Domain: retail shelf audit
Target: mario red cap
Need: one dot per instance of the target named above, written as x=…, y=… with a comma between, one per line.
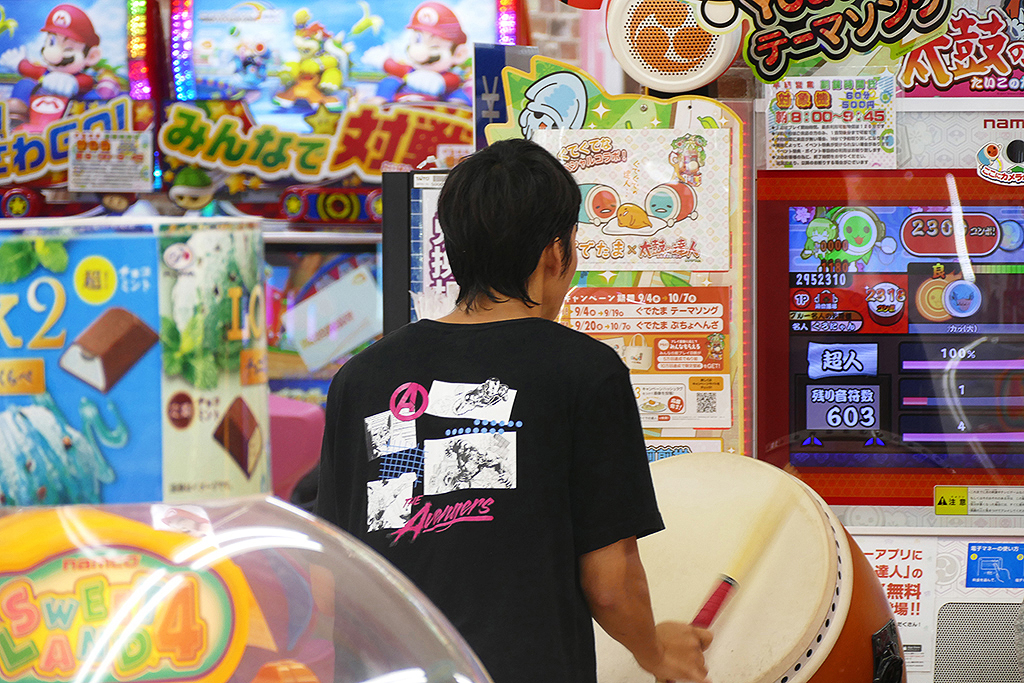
x=438, y=20
x=71, y=22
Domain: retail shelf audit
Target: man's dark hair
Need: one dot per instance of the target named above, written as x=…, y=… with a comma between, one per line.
x=499, y=209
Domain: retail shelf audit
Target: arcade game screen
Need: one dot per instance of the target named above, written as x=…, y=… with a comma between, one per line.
x=904, y=347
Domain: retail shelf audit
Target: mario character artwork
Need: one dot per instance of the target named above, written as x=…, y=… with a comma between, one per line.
x=193, y=191
x=436, y=59
x=250, y=62
x=70, y=48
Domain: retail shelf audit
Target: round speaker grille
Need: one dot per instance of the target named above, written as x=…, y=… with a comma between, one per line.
x=660, y=44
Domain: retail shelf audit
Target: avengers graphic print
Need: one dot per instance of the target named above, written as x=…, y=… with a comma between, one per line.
x=474, y=451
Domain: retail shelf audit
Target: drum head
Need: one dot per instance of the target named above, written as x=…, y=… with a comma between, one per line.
x=773, y=621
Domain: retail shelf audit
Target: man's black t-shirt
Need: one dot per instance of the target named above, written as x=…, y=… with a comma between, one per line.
x=482, y=460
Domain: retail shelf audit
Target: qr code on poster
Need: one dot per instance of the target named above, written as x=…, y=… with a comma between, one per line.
x=707, y=402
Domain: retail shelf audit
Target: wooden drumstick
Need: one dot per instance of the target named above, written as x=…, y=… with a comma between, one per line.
x=757, y=539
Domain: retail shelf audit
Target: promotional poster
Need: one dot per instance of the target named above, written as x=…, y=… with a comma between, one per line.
x=132, y=352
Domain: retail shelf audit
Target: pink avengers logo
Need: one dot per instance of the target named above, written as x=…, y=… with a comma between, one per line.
x=409, y=401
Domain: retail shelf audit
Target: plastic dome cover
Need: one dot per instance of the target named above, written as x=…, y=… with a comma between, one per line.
x=243, y=591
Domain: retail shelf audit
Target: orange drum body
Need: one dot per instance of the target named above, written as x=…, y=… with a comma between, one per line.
x=808, y=608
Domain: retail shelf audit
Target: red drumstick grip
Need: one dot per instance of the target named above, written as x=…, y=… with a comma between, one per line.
x=714, y=603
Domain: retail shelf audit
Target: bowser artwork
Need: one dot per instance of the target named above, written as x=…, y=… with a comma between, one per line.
x=71, y=47
x=433, y=69
x=316, y=77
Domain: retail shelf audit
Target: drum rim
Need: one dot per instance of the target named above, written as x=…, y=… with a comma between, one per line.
x=802, y=670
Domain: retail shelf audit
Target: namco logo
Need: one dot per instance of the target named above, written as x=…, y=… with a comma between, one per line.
x=665, y=36
x=427, y=16
x=61, y=18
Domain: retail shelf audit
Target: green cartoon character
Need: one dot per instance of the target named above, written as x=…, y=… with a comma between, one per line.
x=859, y=232
x=192, y=191
x=821, y=235
x=687, y=157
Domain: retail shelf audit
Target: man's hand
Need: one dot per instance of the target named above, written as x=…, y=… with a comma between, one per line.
x=11, y=58
x=682, y=653
x=426, y=82
x=60, y=83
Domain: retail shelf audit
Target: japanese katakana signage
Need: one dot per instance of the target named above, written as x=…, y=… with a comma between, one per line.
x=788, y=31
x=675, y=342
x=652, y=199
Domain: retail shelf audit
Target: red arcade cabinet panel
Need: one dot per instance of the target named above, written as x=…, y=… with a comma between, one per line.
x=893, y=330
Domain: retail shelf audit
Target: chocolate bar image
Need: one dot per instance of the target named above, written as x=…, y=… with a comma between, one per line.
x=106, y=350
x=240, y=435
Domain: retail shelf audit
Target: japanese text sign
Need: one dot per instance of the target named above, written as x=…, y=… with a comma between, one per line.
x=787, y=31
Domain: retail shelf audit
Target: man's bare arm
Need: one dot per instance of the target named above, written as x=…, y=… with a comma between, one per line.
x=615, y=585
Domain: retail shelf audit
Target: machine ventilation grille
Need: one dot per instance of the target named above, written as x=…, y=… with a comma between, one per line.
x=978, y=643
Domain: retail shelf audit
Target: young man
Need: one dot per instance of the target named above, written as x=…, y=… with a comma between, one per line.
x=495, y=456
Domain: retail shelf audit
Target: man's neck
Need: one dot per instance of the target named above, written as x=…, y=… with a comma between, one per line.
x=486, y=311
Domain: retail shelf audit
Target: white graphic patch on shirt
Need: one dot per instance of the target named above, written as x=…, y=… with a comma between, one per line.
x=386, y=434
x=491, y=401
x=485, y=460
x=389, y=502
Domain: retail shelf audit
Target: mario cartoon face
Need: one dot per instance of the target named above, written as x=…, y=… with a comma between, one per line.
x=71, y=43
x=438, y=42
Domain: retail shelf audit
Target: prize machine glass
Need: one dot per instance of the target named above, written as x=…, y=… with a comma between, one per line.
x=243, y=591
x=78, y=106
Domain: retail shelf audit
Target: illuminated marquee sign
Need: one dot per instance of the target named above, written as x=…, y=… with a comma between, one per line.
x=787, y=31
x=361, y=141
x=976, y=56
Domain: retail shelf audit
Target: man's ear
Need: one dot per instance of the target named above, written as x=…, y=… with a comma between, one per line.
x=92, y=57
x=462, y=52
x=551, y=257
